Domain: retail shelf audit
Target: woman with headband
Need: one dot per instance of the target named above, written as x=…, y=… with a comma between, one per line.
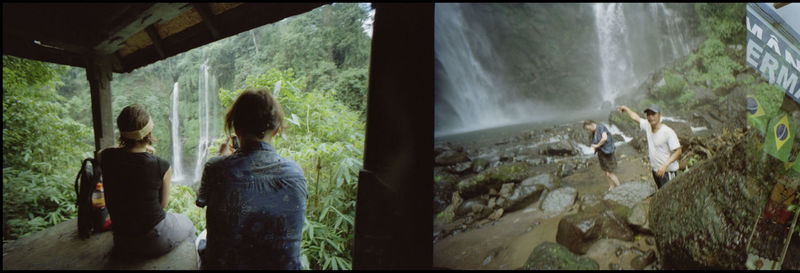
x=136, y=186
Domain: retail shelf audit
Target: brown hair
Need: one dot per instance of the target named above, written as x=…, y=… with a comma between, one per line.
x=587, y=122
x=254, y=112
x=133, y=117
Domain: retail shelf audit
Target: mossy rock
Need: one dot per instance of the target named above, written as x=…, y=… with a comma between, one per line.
x=493, y=178
x=553, y=256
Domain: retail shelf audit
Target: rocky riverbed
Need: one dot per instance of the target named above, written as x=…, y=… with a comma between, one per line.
x=535, y=198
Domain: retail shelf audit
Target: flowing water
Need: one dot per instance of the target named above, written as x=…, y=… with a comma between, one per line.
x=177, y=145
x=620, y=44
x=206, y=116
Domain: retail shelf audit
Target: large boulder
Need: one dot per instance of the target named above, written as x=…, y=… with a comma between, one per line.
x=579, y=231
x=559, y=199
x=449, y=157
x=683, y=130
x=493, y=178
x=561, y=148
x=630, y=193
x=638, y=218
x=705, y=216
x=553, y=256
x=528, y=192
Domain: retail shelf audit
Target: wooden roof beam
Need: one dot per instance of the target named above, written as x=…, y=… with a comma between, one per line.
x=153, y=33
x=159, y=12
x=204, y=10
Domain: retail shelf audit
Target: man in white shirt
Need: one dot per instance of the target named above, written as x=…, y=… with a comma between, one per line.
x=662, y=144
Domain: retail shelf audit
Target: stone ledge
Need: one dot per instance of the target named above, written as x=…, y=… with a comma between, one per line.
x=59, y=247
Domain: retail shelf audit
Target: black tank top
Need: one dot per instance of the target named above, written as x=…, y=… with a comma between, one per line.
x=132, y=183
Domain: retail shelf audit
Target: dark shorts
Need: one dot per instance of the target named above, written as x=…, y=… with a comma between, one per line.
x=661, y=181
x=608, y=162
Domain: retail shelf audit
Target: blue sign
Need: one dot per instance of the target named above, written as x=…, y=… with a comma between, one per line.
x=770, y=53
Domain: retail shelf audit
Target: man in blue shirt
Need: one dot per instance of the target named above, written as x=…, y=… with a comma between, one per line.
x=603, y=145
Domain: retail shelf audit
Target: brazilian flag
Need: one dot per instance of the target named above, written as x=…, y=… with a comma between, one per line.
x=755, y=114
x=780, y=135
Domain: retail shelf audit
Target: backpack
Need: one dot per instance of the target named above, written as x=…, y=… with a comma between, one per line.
x=85, y=183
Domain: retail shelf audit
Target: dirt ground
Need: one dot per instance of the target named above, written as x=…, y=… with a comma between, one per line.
x=507, y=242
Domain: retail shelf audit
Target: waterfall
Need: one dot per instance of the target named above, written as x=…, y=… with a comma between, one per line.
x=206, y=121
x=613, y=47
x=498, y=65
x=634, y=40
x=177, y=146
x=469, y=95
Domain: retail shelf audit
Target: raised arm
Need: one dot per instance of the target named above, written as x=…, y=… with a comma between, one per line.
x=635, y=117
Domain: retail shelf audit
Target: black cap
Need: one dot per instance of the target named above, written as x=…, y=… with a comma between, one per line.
x=653, y=108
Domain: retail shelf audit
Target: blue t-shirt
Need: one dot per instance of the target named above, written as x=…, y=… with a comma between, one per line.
x=608, y=147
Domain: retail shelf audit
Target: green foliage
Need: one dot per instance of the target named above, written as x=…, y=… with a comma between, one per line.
x=351, y=89
x=181, y=201
x=769, y=96
x=723, y=21
x=711, y=64
x=42, y=148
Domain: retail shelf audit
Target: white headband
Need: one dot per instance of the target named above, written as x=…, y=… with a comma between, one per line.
x=139, y=134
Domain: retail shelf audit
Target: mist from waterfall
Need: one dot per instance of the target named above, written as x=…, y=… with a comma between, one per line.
x=467, y=90
x=177, y=145
x=503, y=64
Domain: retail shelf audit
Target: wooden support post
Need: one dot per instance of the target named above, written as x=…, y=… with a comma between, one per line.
x=395, y=186
x=98, y=72
x=204, y=10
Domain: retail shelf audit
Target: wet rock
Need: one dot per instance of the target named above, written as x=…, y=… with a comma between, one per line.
x=496, y=214
x=705, y=215
x=449, y=213
x=528, y=192
x=441, y=147
x=493, y=178
x=559, y=199
x=449, y=157
x=566, y=168
x=683, y=130
x=643, y=260
x=561, y=148
x=638, y=218
x=614, y=266
x=650, y=241
x=507, y=155
x=579, y=231
x=630, y=193
x=506, y=190
x=553, y=256
x=461, y=168
x=479, y=164
x=444, y=185
x=475, y=205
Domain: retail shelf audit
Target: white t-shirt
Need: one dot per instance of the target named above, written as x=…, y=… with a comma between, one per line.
x=660, y=145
